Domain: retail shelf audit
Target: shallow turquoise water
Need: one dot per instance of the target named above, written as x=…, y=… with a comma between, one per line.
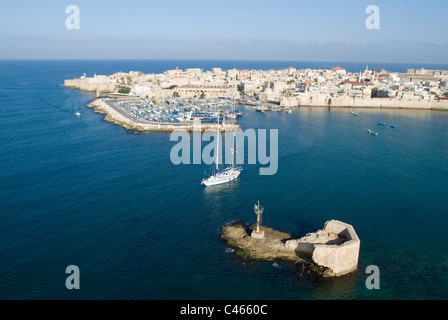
x=86, y=192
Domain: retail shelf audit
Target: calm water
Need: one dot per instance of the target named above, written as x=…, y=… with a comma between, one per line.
x=86, y=192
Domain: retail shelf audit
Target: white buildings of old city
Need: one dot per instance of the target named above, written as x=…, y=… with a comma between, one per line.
x=287, y=87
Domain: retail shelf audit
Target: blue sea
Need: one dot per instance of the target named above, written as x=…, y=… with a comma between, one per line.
x=82, y=191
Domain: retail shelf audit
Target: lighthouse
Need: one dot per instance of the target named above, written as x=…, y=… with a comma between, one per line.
x=257, y=233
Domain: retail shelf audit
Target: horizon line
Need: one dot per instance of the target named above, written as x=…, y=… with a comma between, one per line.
x=211, y=59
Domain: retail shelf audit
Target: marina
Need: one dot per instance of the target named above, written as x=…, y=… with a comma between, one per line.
x=177, y=111
x=147, y=115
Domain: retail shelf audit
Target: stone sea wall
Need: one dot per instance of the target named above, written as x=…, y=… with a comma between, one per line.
x=350, y=102
x=89, y=86
x=338, y=254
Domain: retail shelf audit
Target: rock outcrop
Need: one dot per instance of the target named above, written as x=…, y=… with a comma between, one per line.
x=269, y=248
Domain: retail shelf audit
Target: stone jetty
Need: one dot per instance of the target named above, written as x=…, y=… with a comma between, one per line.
x=331, y=252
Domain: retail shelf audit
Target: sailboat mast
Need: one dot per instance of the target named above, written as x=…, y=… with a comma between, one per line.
x=233, y=150
x=234, y=94
x=217, y=144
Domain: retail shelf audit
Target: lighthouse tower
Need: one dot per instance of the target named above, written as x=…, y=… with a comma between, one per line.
x=257, y=233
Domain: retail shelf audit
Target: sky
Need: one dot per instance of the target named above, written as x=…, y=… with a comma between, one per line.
x=410, y=31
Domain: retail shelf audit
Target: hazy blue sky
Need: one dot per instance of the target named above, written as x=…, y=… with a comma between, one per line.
x=319, y=30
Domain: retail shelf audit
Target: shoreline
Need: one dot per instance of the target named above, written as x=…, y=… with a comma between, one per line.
x=114, y=116
x=428, y=107
x=442, y=108
x=367, y=103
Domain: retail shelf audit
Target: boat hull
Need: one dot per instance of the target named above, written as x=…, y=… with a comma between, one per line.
x=216, y=180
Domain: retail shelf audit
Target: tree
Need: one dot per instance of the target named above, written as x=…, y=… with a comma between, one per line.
x=202, y=95
x=176, y=94
x=124, y=90
x=329, y=102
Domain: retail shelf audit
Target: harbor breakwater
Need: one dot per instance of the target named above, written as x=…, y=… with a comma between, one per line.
x=116, y=117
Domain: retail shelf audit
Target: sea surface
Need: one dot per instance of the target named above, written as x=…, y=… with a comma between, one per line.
x=82, y=191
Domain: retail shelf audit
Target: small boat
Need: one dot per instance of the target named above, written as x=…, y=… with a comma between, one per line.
x=238, y=113
x=393, y=126
x=78, y=114
x=372, y=133
x=381, y=124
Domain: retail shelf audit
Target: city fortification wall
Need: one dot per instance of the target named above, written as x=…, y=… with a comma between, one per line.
x=336, y=247
x=340, y=259
x=350, y=102
x=90, y=86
